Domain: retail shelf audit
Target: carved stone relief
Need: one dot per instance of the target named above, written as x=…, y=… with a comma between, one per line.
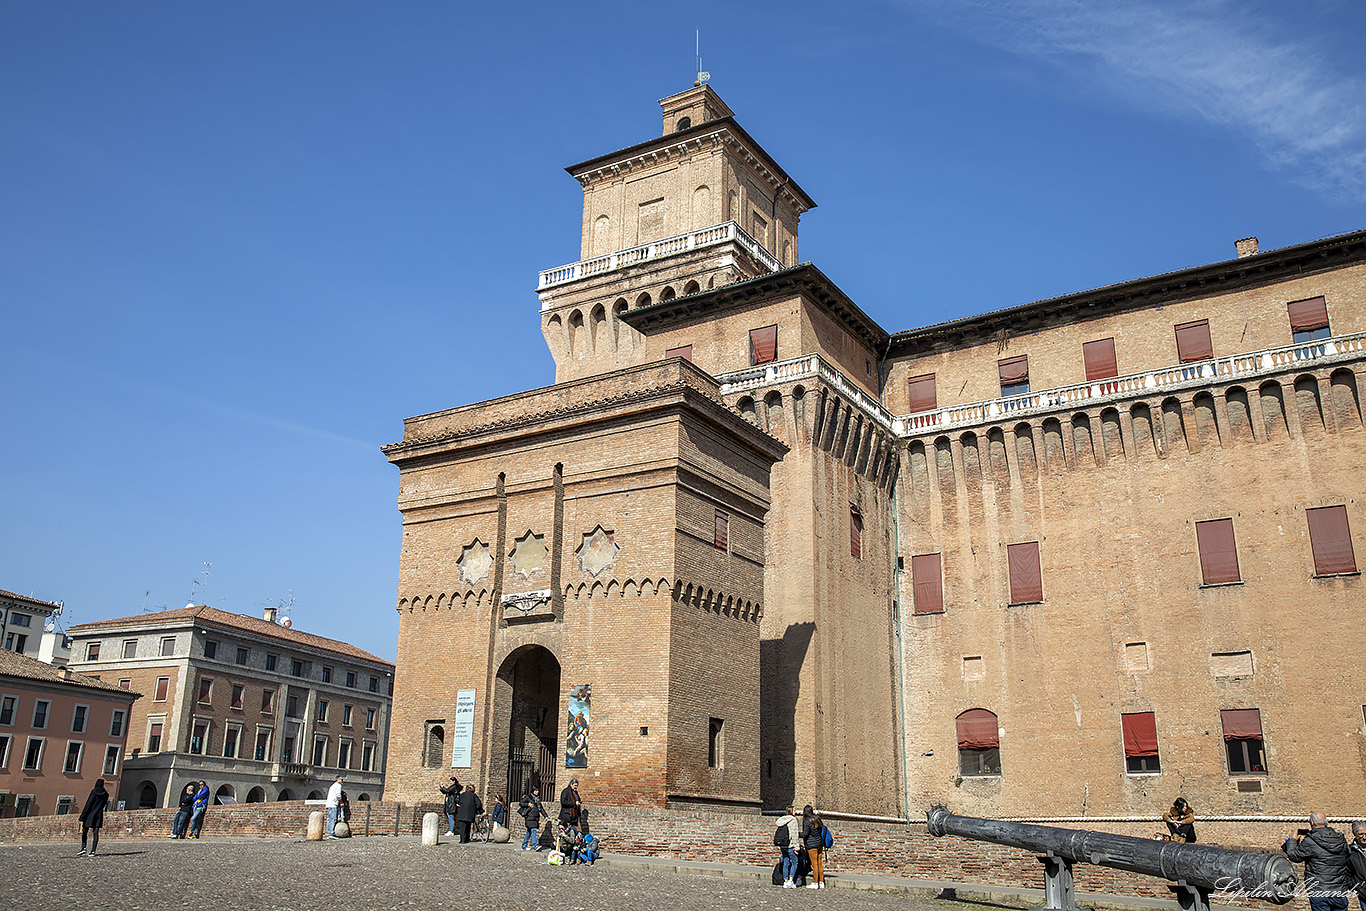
x=597, y=552
x=474, y=562
x=528, y=554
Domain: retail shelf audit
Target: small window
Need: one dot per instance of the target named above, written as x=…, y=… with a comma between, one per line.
x=5, y=741
x=111, y=759
x=763, y=345
x=92, y=651
x=369, y=719
x=1014, y=373
x=927, y=584
x=130, y=648
x=1330, y=539
x=1099, y=358
x=23, y=806
x=16, y=619
x=242, y=655
x=72, y=764
x=163, y=685
x=263, y=743
x=154, y=736
x=433, y=744
x=1218, y=552
x=116, y=723
x=78, y=719
x=327, y=674
x=168, y=646
x=1193, y=343
x=1026, y=575
x=292, y=706
x=236, y=699
x=210, y=648
x=232, y=737
x=374, y=684
x=923, y=396
x=721, y=537
x=40, y=713
x=126, y=683
x=351, y=679
x=1140, y=742
x=683, y=124
x=346, y=715
x=343, y=753
x=15, y=642
x=716, y=743
x=979, y=743
x=33, y=756
x=684, y=352
x=199, y=736
x=65, y=805
x=1308, y=320
x=270, y=662
x=268, y=700
x=367, y=757
x=1243, y=741
x=8, y=706
x=322, y=710
x=855, y=534
x=205, y=691
x=296, y=667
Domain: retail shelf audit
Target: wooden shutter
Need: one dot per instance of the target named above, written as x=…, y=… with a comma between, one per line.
x=162, y=684
x=855, y=533
x=1218, y=552
x=722, y=539
x=1026, y=578
x=1331, y=540
x=1140, y=734
x=922, y=393
x=927, y=583
x=1014, y=370
x=1308, y=315
x=1100, y=359
x=763, y=345
x=684, y=352
x=1192, y=342
x=978, y=729
x=1241, y=724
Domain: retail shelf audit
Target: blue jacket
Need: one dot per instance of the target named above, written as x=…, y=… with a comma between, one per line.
x=201, y=799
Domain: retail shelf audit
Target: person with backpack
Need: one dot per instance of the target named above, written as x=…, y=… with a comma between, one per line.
x=786, y=838
x=530, y=810
x=816, y=838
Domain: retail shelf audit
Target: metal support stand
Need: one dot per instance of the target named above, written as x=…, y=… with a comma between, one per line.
x=1190, y=898
x=1058, y=892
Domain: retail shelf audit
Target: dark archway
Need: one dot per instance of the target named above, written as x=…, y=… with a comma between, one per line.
x=225, y=794
x=285, y=794
x=256, y=795
x=147, y=796
x=526, y=737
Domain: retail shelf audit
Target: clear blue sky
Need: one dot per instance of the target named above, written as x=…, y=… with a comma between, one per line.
x=239, y=243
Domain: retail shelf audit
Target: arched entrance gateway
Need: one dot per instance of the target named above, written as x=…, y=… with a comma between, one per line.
x=526, y=705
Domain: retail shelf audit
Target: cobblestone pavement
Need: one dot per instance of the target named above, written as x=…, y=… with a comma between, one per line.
x=368, y=874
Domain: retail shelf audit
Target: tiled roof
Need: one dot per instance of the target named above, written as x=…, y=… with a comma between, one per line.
x=13, y=664
x=212, y=616
x=36, y=602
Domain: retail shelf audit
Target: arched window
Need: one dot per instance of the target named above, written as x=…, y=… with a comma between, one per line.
x=979, y=743
x=433, y=745
x=683, y=124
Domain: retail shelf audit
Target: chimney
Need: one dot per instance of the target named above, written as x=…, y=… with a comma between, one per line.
x=64, y=672
x=270, y=613
x=1246, y=247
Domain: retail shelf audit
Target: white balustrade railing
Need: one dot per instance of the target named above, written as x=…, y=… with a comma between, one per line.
x=1180, y=376
x=725, y=232
x=811, y=365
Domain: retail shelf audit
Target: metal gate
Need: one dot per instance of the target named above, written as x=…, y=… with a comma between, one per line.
x=527, y=768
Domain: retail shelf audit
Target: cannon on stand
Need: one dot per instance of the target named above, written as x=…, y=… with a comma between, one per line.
x=1194, y=870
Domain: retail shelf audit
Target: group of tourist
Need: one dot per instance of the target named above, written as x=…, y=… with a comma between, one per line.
x=802, y=843
x=567, y=836
x=1334, y=869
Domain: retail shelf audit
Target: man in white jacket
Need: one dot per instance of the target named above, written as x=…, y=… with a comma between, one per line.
x=333, y=806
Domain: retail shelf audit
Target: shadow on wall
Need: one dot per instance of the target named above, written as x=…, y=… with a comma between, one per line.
x=780, y=668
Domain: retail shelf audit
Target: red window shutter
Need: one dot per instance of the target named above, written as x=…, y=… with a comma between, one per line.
x=1100, y=359
x=684, y=352
x=978, y=729
x=1026, y=578
x=763, y=345
x=1192, y=342
x=1308, y=315
x=855, y=533
x=722, y=539
x=1242, y=724
x=927, y=583
x=1331, y=540
x=1140, y=734
x=922, y=393
x=162, y=683
x=1218, y=552
x=1014, y=370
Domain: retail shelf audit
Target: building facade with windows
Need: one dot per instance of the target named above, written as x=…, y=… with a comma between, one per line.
x=258, y=709
x=1073, y=557
x=22, y=626
x=59, y=733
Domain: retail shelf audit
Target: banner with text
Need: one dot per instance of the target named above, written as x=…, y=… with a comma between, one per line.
x=462, y=733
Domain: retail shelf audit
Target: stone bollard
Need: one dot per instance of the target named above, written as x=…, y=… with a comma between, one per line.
x=431, y=828
x=342, y=829
x=316, y=823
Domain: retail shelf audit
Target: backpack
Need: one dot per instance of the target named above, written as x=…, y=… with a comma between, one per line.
x=828, y=839
x=524, y=807
x=781, y=838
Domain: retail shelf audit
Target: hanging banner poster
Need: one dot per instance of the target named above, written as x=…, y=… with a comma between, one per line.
x=462, y=732
x=576, y=741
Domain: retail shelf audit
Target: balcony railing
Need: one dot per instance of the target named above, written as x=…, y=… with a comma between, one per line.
x=812, y=365
x=715, y=235
x=1167, y=379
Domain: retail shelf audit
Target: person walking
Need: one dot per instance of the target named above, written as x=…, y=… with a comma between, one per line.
x=787, y=836
x=333, y=806
x=451, y=805
x=1328, y=879
x=92, y=816
x=200, y=807
x=182, y=816
x=470, y=806
x=570, y=803
x=499, y=813
x=530, y=810
x=813, y=838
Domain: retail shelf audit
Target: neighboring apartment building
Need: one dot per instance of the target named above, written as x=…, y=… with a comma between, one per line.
x=59, y=733
x=261, y=711
x=22, y=621
x=1071, y=558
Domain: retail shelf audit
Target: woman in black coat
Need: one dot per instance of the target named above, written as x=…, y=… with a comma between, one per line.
x=452, y=803
x=92, y=816
x=813, y=839
x=569, y=803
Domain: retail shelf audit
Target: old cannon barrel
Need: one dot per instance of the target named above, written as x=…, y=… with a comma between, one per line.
x=1207, y=867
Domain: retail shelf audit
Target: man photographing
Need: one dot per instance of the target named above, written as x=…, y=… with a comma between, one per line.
x=1328, y=879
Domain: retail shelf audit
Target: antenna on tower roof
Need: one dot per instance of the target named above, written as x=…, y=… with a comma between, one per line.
x=702, y=75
